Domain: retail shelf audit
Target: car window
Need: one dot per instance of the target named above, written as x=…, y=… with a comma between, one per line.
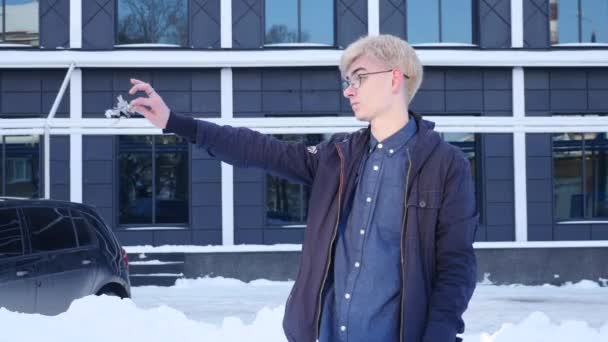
x=85, y=234
x=11, y=238
x=50, y=229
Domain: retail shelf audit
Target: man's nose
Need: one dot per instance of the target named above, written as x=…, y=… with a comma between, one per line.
x=349, y=91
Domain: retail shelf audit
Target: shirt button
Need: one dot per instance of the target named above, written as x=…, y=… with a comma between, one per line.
x=380, y=145
x=422, y=204
x=362, y=231
x=376, y=167
x=357, y=264
x=391, y=151
x=369, y=199
x=347, y=296
x=343, y=328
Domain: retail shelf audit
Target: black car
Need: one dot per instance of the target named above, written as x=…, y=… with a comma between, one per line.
x=53, y=252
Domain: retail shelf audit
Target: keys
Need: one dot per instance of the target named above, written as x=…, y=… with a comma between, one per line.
x=122, y=109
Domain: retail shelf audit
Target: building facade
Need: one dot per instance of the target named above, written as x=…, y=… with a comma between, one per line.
x=521, y=86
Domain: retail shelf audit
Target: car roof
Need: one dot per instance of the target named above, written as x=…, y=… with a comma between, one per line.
x=6, y=201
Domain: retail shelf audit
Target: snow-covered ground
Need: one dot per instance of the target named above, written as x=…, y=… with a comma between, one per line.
x=229, y=310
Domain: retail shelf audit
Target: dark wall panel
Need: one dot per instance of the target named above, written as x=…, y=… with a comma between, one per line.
x=186, y=91
x=205, y=22
x=351, y=21
x=288, y=91
x=497, y=186
x=495, y=24
x=464, y=91
x=60, y=167
x=566, y=91
x=98, y=18
x=393, y=18
x=539, y=167
x=98, y=176
x=247, y=24
x=31, y=93
x=536, y=24
x=206, y=195
x=54, y=24
x=249, y=205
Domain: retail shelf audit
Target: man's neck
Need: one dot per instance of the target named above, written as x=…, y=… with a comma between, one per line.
x=388, y=124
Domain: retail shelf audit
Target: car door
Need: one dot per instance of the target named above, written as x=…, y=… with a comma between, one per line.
x=64, y=273
x=17, y=268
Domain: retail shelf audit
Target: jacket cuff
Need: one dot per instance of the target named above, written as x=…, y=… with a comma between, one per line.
x=181, y=125
x=437, y=332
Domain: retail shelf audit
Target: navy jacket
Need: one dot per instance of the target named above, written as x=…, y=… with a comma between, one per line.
x=438, y=265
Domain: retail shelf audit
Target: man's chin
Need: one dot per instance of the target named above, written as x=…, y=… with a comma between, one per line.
x=362, y=117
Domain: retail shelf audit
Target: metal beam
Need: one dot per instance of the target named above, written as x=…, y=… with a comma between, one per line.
x=168, y=58
x=472, y=124
x=46, y=127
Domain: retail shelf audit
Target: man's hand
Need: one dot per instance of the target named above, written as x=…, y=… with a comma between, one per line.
x=152, y=107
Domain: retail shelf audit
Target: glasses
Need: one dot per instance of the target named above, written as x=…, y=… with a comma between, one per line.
x=355, y=82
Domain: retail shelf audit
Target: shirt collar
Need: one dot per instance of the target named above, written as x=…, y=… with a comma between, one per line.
x=396, y=141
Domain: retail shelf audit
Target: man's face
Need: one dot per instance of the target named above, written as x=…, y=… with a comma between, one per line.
x=375, y=91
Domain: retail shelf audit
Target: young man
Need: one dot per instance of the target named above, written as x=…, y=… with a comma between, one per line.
x=388, y=249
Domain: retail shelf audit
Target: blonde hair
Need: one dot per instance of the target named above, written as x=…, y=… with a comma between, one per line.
x=390, y=50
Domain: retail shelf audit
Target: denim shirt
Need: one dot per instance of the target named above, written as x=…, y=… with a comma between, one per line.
x=362, y=302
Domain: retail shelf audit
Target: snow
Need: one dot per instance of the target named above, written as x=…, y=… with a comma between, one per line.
x=154, y=262
x=218, y=309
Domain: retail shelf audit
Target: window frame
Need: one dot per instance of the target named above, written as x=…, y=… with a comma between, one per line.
x=475, y=29
x=3, y=43
x=579, y=27
x=79, y=214
x=301, y=189
x=187, y=46
x=28, y=225
x=478, y=184
x=4, y=164
x=586, y=217
x=127, y=226
x=298, y=44
x=24, y=236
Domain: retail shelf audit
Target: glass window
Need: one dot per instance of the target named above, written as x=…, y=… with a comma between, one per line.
x=287, y=202
x=11, y=238
x=579, y=21
x=84, y=233
x=153, y=22
x=50, y=229
x=154, y=180
x=439, y=21
x=19, y=20
x=20, y=170
x=299, y=21
x=579, y=176
x=467, y=142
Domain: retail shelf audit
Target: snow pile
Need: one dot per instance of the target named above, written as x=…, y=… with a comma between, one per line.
x=226, y=310
x=101, y=319
x=97, y=319
x=538, y=327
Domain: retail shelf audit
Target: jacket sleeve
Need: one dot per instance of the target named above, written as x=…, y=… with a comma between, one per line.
x=455, y=265
x=244, y=147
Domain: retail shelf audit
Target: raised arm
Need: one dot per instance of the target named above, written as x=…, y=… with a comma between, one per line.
x=237, y=146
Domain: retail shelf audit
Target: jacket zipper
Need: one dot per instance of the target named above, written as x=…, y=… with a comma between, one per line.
x=333, y=238
x=407, y=179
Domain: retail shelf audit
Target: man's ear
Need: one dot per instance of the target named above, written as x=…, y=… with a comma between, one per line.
x=398, y=80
